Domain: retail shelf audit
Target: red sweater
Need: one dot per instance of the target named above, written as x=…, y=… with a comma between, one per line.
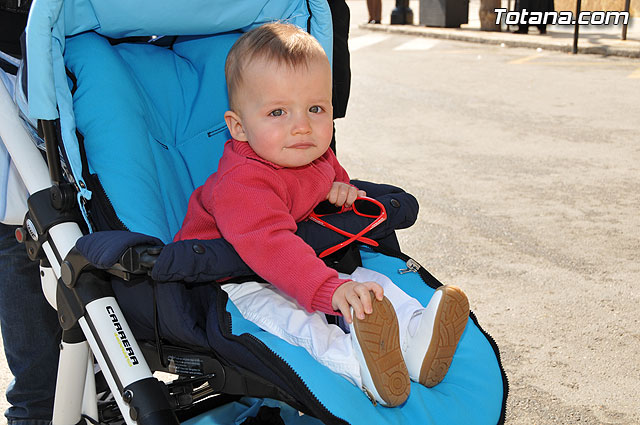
x=255, y=205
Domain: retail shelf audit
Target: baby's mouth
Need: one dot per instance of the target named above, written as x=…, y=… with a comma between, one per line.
x=302, y=145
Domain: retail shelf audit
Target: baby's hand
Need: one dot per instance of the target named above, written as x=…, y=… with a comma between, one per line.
x=344, y=194
x=356, y=295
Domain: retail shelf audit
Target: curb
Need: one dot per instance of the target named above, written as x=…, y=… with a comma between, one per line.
x=509, y=40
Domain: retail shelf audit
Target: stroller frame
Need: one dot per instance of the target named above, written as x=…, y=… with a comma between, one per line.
x=86, y=307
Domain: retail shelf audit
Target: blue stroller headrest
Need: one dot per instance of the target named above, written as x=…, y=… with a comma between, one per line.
x=152, y=121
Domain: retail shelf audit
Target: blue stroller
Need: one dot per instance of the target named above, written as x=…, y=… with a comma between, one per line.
x=130, y=109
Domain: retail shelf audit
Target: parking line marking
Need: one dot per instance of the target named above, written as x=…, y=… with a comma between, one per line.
x=419, y=43
x=524, y=59
x=357, y=43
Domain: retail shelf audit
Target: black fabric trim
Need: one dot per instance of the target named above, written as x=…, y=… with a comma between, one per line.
x=83, y=155
x=309, y=19
x=103, y=215
x=73, y=79
x=133, y=39
x=164, y=41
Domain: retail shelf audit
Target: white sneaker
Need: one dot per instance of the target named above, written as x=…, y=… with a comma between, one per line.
x=376, y=342
x=430, y=345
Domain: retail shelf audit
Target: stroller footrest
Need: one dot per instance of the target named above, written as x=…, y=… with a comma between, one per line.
x=197, y=368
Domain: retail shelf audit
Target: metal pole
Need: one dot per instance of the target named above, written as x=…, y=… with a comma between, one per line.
x=72, y=373
x=577, y=27
x=627, y=4
x=402, y=14
x=26, y=157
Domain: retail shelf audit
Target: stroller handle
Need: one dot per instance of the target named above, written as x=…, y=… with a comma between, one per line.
x=26, y=156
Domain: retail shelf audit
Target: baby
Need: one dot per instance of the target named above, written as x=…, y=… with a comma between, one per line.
x=274, y=171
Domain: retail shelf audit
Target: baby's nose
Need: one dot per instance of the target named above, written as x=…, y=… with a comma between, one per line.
x=301, y=125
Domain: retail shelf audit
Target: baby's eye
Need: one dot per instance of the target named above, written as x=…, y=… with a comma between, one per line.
x=315, y=109
x=276, y=113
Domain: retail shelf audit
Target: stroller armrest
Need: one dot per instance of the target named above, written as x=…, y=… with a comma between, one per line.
x=105, y=249
x=117, y=251
x=402, y=210
x=211, y=260
x=195, y=260
x=123, y=253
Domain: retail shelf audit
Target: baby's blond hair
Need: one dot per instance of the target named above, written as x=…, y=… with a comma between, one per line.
x=279, y=42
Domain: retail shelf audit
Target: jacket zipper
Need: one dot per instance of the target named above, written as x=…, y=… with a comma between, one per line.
x=412, y=267
x=318, y=405
x=103, y=199
x=253, y=342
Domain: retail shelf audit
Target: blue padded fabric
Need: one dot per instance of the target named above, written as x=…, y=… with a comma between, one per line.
x=165, y=131
x=52, y=22
x=471, y=393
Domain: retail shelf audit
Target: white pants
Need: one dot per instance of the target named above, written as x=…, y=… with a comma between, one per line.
x=280, y=315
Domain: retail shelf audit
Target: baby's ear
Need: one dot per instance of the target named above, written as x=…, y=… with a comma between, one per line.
x=234, y=124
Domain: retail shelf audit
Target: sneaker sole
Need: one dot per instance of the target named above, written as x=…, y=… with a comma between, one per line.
x=379, y=338
x=452, y=316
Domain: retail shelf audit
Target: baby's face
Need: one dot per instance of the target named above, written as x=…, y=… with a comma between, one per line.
x=286, y=113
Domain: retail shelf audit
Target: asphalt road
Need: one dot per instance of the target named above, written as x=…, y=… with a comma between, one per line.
x=526, y=166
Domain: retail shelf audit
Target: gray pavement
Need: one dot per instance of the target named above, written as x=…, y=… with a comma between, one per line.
x=526, y=166
x=601, y=40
